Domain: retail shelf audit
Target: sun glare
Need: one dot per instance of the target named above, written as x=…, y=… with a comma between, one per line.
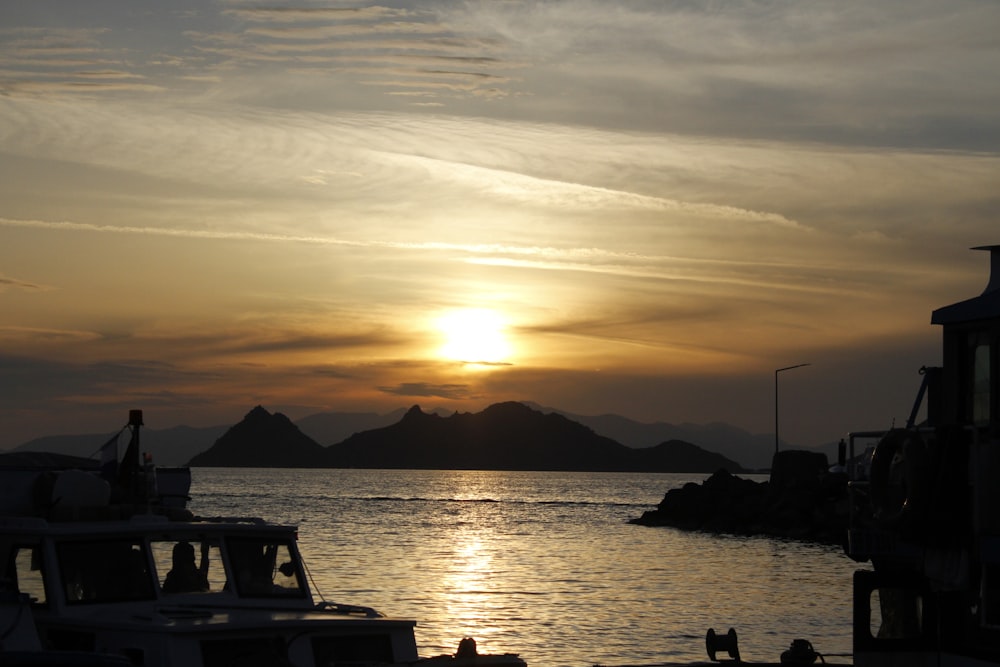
x=474, y=335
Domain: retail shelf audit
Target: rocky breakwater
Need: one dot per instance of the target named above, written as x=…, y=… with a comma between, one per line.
x=802, y=500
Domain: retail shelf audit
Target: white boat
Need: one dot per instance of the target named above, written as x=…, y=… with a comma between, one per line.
x=113, y=564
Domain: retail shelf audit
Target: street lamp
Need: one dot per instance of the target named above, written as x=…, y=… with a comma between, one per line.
x=786, y=368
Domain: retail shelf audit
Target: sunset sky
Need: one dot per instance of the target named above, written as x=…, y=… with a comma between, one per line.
x=642, y=208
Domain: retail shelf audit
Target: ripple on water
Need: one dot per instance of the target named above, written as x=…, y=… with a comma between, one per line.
x=542, y=564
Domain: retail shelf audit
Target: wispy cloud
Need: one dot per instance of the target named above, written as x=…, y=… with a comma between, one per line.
x=570, y=259
x=37, y=334
x=172, y=231
x=886, y=73
x=423, y=390
x=13, y=283
x=293, y=14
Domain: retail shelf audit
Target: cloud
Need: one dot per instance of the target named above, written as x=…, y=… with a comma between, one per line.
x=14, y=283
x=312, y=14
x=545, y=258
x=314, y=32
x=288, y=341
x=58, y=60
x=893, y=73
x=174, y=231
x=449, y=391
x=17, y=337
x=673, y=200
x=393, y=49
x=30, y=380
x=59, y=87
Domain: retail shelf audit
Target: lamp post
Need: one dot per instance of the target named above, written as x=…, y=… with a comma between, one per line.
x=786, y=368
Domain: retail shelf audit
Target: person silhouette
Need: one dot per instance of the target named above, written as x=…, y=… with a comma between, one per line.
x=185, y=577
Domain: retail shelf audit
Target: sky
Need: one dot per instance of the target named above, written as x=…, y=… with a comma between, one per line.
x=640, y=208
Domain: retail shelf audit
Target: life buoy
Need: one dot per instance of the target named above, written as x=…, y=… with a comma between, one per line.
x=898, y=476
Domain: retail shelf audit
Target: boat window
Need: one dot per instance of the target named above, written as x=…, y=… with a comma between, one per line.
x=25, y=573
x=104, y=571
x=188, y=566
x=896, y=613
x=981, y=384
x=264, y=568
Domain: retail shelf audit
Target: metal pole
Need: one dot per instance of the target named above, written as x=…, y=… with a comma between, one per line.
x=778, y=370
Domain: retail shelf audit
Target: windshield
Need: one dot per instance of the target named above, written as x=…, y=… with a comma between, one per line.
x=105, y=571
x=24, y=572
x=264, y=568
x=124, y=570
x=190, y=565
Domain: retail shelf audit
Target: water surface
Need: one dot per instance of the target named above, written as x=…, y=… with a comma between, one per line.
x=544, y=564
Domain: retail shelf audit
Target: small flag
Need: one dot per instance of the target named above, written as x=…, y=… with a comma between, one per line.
x=130, y=468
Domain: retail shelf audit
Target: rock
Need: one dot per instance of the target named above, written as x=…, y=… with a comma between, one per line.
x=796, y=467
x=802, y=501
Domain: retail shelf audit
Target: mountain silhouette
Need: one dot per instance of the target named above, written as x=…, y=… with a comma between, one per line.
x=173, y=446
x=262, y=440
x=504, y=436
x=750, y=450
x=328, y=428
x=660, y=446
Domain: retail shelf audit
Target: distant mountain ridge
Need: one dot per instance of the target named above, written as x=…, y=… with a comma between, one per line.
x=328, y=428
x=504, y=436
x=750, y=450
x=169, y=447
x=178, y=445
x=753, y=451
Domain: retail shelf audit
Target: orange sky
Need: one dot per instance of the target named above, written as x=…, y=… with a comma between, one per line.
x=642, y=210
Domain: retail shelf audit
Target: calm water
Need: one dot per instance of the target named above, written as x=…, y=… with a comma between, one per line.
x=542, y=564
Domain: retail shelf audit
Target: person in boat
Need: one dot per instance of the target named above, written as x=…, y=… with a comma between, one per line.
x=254, y=563
x=185, y=576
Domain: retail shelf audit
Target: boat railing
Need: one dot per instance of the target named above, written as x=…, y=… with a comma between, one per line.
x=252, y=520
x=352, y=609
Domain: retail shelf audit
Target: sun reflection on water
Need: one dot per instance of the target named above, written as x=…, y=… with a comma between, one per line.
x=468, y=573
x=466, y=584
x=544, y=564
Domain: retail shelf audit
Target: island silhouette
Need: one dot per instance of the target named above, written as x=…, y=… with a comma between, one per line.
x=504, y=436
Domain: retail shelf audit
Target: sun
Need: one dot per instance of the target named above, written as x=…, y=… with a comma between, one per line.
x=474, y=336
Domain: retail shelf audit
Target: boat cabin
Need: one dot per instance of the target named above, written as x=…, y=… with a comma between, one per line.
x=70, y=567
x=207, y=593
x=925, y=509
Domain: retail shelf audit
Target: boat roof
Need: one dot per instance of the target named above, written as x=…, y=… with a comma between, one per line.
x=192, y=618
x=983, y=307
x=28, y=460
x=141, y=524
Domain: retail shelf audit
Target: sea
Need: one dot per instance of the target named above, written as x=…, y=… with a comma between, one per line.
x=543, y=564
